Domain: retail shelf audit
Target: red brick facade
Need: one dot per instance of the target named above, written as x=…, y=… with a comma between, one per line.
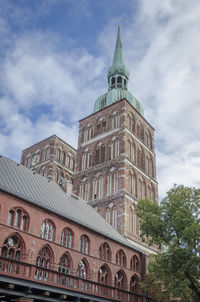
x=116, y=164
x=52, y=158
x=102, y=260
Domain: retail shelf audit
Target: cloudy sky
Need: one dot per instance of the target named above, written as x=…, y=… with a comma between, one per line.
x=54, y=56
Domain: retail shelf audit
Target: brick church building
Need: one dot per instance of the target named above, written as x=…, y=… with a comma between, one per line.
x=69, y=230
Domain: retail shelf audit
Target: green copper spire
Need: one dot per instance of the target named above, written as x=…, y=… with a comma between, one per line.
x=118, y=66
x=118, y=76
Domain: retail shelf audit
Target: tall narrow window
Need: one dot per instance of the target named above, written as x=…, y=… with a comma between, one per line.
x=84, y=244
x=121, y=258
x=105, y=252
x=18, y=218
x=67, y=238
x=43, y=264
x=47, y=230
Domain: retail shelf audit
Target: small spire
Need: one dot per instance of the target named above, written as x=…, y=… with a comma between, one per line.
x=118, y=55
x=118, y=64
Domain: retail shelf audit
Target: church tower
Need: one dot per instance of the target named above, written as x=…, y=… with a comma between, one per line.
x=116, y=159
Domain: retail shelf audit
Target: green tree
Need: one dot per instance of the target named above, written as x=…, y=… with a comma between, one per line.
x=174, y=226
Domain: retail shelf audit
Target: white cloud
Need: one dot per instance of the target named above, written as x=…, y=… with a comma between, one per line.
x=161, y=49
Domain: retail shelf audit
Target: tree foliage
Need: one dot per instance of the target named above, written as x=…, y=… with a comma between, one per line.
x=174, y=226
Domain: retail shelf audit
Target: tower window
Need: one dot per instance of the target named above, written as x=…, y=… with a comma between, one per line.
x=119, y=80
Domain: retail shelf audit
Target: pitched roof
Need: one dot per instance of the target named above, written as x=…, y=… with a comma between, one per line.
x=26, y=184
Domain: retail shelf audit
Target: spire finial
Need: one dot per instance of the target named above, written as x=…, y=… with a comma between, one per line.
x=118, y=66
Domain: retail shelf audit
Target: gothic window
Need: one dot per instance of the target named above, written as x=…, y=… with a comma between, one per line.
x=101, y=126
x=120, y=280
x=135, y=264
x=29, y=161
x=113, y=81
x=108, y=215
x=105, y=252
x=58, y=154
x=18, y=218
x=112, y=182
x=104, y=277
x=47, y=230
x=134, y=284
x=67, y=238
x=119, y=80
x=121, y=258
x=114, y=217
x=11, y=249
x=131, y=150
x=141, y=158
x=140, y=131
x=115, y=120
x=86, y=160
x=46, y=153
x=133, y=221
x=148, y=139
x=84, y=244
x=99, y=154
x=131, y=122
x=84, y=190
x=72, y=163
x=62, y=158
x=82, y=272
x=68, y=157
x=132, y=183
x=114, y=148
x=43, y=264
x=125, y=82
x=64, y=269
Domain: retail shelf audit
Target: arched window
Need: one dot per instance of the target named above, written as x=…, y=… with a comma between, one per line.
x=133, y=221
x=104, y=277
x=84, y=244
x=131, y=150
x=113, y=81
x=148, y=139
x=134, y=284
x=141, y=158
x=112, y=182
x=29, y=161
x=135, y=263
x=132, y=183
x=46, y=153
x=98, y=188
x=84, y=191
x=115, y=120
x=64, y=269
x=131, y=122
x=47, y=230
x=114, y=217
x=119, y=80
x=18, y=218
x=108, y=215
x=58, y=154
x=99, y=154
x=11, y=249
x=120, y=280
x=67, y=238
x=43, y=263
x=121, y=258
x=140, y=131
x=101, y=126
x=105, y=252
x=114, y=149
x=82, y=272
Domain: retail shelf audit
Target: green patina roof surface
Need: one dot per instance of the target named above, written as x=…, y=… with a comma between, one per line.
x=115, y=95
